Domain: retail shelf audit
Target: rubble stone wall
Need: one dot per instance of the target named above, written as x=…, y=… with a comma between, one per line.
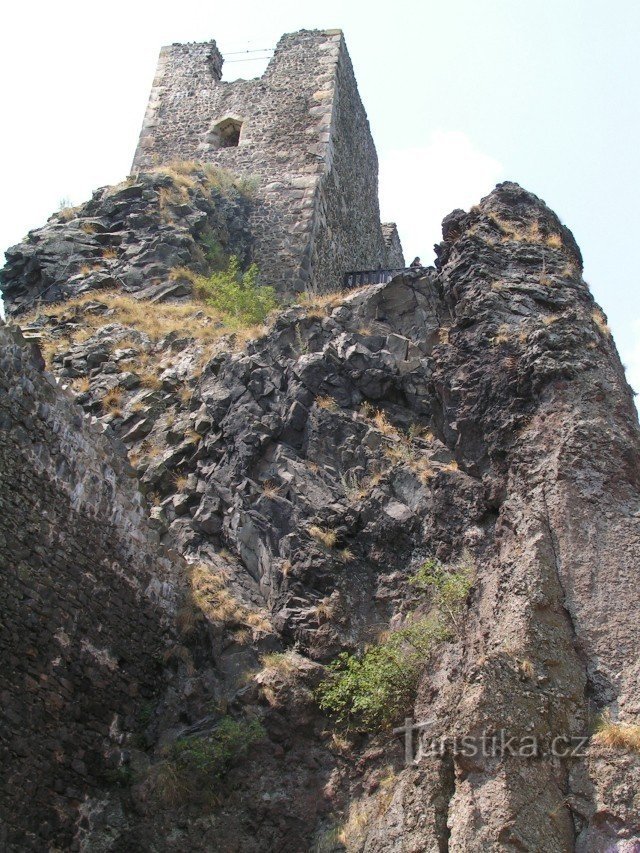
x=84, y=600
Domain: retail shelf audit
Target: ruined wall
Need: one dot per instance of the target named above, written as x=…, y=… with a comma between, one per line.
x=304, y=137
x=395, y=255
x=85, y=596
x=347, y=233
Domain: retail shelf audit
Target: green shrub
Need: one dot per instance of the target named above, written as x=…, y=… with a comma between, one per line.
x=212, y=249
x=236, y=294
x=206, y=758
x=195, y=765
x=377, y=687
x=449, y=585
x=372, y=690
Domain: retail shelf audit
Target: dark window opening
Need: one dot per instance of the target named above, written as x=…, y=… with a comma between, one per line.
x=228, y=133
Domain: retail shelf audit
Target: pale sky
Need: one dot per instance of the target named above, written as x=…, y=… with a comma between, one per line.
x=459, y=96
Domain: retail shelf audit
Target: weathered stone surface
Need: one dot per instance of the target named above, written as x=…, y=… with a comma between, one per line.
x=304, y=139
x=87, y=603
x=131, y=236
x=477, y=409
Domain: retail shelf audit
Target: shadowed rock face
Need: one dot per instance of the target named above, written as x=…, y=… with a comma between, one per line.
x=478, y=409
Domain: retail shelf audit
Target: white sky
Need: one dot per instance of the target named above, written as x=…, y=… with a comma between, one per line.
x=459, y=96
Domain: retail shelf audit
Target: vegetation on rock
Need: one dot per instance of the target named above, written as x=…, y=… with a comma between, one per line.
x=236, y=294
x=620, y=736
x=374, y=689
x=196, y=764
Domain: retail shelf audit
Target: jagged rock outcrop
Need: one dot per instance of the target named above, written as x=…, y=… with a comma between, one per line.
x=479, y=409
x=132, y=236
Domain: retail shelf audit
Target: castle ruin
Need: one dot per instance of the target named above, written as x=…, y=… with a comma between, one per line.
x=302, y=132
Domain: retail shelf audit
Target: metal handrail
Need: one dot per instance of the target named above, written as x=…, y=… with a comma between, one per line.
x=358, y=278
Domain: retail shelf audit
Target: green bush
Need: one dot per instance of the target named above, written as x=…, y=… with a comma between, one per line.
x=236, y=294
x=206, y=758
x=212, y=249
x=195, y=765
x=449, y=585
x=372, y=690
x=377, y=687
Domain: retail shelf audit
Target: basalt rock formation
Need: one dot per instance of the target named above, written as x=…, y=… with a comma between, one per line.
x=296, y=482
x=132, y=236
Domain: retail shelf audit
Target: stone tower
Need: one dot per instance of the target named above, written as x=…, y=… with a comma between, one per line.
x=302, y=132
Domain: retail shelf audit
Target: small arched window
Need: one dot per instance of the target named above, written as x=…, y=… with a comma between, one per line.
x=225, y=134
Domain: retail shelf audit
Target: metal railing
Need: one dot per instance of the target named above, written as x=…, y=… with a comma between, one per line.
x=358, y=278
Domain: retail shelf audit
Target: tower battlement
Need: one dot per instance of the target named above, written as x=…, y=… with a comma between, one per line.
x=300, y=131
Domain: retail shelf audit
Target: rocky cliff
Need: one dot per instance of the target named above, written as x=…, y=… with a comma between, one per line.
x=473, y=415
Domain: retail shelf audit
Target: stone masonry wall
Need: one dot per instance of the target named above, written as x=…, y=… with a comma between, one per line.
x=347, y=234
x=395, y=255
x=85, y=597
x=304, y=137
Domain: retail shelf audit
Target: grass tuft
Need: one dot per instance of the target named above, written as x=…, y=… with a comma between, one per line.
x=621, y=736
x=325, y=537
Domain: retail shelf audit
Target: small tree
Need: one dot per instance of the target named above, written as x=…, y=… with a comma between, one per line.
x=371, y=690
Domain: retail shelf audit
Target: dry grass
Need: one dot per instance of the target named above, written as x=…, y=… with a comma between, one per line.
x=324, y=302
x=109, y=254
x=112, y=401
x=403, y=453
x=149, y=379
x=211, y=599
x=189, y=174
x=365, y=330
x=181, y=273
x=443, y=335
x=601, y=322
x=185, y=394
x=325, y=609
x=524, y=232
x=169, y=197
x=352, y=831
x=327, y=403
x=68, y=213
x=180, y=482
x=622, y=736
x=279, y=669
x=368, y=810
x=354, y=489
x=527, y=669
x=367, y=410
x=340, y=743
x=269, y=489
x=81, y=385
x=190, y=319
x=88, y=228
x=285, y=568
x=570, y=270
x=419, y=431
x=325, y=537
x=503, y=335
x=383, y=425
x=284, y=663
